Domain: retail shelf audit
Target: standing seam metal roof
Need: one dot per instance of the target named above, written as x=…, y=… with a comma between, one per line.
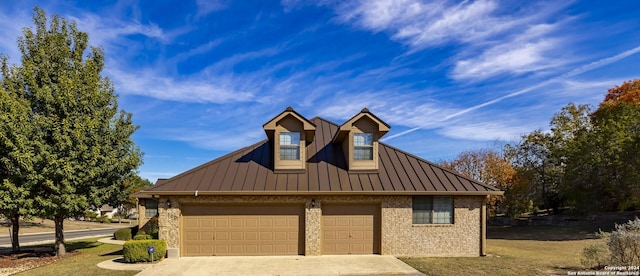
x=250, y=171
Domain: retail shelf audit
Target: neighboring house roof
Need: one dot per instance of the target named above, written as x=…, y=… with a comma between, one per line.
x=106, y=208
x=249, y=171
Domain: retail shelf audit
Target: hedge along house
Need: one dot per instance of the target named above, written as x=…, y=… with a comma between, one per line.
x=316, y=188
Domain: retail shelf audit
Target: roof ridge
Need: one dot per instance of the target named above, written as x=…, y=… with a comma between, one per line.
x=206, y=164
x=442, y=168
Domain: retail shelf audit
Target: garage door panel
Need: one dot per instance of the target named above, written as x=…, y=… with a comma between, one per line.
x=236, y=222
x=208, y=223
x=191, y=222
x=207, y=236
x=350, y=229
x=251, y=222
x=266, y=236
x=242, y=230
x=192, y=236
x=221, y=222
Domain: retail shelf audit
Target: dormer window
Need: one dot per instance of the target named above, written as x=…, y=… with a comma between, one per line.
x=363, y=146
x=289, y=145
x=359, y=138
x=289, y=134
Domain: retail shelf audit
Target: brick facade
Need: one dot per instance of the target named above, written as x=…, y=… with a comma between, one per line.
x=399, y=236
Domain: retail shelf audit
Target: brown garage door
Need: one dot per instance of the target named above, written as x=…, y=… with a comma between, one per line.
x=224, y=230
x=350, y=229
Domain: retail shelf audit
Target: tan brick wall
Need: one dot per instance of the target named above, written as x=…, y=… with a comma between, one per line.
x=142, y=219
x=398, y=235
x=402, y=238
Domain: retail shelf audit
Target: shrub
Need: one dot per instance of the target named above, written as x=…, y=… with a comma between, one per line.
x=90, y=216
x=142, y=237
x=137, y=251
x=103, y=219
x=123, y=234
x=151, y=227
x=624, y=244
x=595, y=256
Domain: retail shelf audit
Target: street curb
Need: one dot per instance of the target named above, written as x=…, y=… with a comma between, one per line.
x=53, y=241
x=69, y=231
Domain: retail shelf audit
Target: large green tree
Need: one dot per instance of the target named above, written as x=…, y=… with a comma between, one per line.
x=588, y=160
x=84, y=148
x=16, y=157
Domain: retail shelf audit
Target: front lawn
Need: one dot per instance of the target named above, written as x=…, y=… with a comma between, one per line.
x=520, y=250
x=510, y=257
x=85, y=255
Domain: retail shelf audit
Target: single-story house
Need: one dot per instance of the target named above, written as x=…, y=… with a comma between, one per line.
x=111, y=212
x=314, y=187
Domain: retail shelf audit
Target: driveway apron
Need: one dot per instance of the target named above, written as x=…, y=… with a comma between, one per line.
x=283, y=265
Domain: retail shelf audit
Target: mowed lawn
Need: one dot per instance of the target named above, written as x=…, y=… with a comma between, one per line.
x=85, y=255
x=521, y=250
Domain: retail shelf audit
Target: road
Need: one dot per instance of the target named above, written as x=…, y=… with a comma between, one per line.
x=28, y=239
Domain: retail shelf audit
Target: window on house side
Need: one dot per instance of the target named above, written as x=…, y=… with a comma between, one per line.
x=432, y=210
x=289, y=146
x=363, y=146
x=151, y=208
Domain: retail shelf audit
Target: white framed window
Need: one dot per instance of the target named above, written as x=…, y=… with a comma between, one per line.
x=432, y=210
x=363, y=146
x=289, y=145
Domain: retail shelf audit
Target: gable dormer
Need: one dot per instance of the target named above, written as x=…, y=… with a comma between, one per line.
x=359, y=137
x=289, y=134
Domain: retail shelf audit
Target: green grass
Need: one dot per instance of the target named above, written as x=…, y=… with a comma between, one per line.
x=90, y=253
x=522, y=250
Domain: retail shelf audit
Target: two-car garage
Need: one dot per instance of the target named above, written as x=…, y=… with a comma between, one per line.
x=251, y=230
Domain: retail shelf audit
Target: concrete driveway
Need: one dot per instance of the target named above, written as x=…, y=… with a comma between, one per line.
x=283, y=265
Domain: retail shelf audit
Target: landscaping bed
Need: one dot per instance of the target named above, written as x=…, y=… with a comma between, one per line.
x=29, y=258
x=81, y=259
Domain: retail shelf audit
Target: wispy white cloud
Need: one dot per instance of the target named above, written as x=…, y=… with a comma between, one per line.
x=489, y=42
x=230, y=138
x=488, y=130
x=105, y=31
x=152, y=83
x=420, y=23
x=396, y=109
x=527, y=52
x=12, y=25
x=575, y=72
x=208, y=6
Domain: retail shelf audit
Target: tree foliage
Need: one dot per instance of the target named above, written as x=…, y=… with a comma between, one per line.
x=494, y=168
x=16, y=157
x=588, y=160
x=130, y=184
x=82, y=142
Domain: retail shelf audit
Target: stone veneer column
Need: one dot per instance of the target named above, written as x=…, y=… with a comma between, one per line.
x=169, y=224
x=312, y=228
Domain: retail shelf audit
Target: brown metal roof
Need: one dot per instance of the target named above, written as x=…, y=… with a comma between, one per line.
x=249, y=171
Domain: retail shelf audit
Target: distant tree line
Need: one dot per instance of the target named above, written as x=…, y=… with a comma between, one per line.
x=588, y=161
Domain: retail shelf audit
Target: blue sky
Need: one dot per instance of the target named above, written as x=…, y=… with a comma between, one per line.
x=201, y=77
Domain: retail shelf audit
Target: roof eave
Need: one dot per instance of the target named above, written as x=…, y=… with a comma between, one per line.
x=318, y=193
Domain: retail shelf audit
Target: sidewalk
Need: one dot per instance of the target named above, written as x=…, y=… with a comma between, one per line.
x=118, y=263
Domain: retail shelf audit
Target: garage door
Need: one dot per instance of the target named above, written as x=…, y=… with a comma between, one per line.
x=350, y=229
x=224, y=230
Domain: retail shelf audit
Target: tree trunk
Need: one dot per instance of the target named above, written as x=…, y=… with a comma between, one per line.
x=15, y=227
x=60, y=249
